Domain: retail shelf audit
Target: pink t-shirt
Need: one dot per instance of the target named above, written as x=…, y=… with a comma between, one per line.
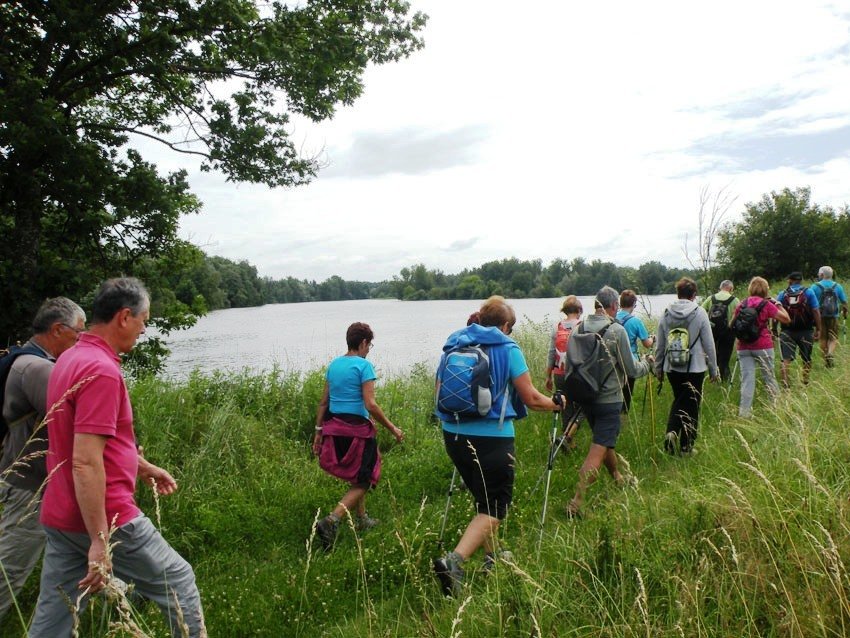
x=100, y=405
x=765, y=340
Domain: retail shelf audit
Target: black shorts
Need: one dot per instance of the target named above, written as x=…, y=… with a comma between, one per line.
x=486, y=465
x=790, y=340
x=604, y=419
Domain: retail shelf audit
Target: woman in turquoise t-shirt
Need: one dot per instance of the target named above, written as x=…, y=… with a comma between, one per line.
x=345, y=439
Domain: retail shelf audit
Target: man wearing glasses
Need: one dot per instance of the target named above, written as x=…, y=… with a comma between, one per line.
x=56, y=327
x=94, y=465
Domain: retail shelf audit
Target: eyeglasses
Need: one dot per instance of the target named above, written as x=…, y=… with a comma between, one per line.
x=79, y=331
x=510, y=328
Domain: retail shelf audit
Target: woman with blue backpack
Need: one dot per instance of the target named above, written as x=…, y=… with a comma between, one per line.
x=750, y=323
x=483, y=386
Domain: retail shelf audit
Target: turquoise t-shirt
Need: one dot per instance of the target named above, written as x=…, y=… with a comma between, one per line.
x=345, y=377
x=839, y=292
x=635, y=330
x=490, y=427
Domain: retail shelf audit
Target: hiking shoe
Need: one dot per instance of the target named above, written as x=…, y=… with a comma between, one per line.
x=326, y=530
x=491, y=559
x=449, y=573
x=671, y=443
x=365, y=523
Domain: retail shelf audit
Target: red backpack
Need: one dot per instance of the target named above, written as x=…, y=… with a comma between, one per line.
x=562, y=339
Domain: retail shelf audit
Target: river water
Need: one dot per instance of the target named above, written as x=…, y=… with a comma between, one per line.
x=301, y=337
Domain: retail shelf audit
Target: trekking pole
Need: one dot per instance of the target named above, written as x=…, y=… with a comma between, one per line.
x=734, y=370
x=553, y=450
x=651, y=408
x=446, y=512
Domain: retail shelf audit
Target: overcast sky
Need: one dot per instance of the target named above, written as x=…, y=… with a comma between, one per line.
x=553, y=130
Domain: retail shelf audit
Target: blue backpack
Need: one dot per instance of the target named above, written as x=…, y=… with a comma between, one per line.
x=465, y=383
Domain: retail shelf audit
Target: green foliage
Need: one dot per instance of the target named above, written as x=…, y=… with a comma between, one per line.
x=748, y=538
x=783, y=232
x=213, y=80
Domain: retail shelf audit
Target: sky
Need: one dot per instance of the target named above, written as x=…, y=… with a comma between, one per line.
x=546, y=130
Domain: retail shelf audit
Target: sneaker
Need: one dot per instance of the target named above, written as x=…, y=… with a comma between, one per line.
x=365, y=523
x=326, y=530
x=449, y=573
x=491, y=559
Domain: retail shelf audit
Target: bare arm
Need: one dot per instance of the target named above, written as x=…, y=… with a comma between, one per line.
x=782, y=315
x=90, y=490
x=156, y=477
x=376, y=411
x=529, y=395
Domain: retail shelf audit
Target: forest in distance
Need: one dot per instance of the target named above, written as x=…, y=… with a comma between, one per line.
x=782, y=232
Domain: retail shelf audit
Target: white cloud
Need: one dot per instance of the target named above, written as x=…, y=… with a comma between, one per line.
x=547, y=130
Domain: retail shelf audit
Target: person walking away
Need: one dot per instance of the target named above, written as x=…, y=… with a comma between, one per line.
x=56, y=326
x=481, y=447
x=720, y=307
x=557, y=356
x=94, y=527
x=615, y=363
x=832, y=300
x=755, y=342
x=685, y=352
x=346, y=439
x=803, y=309
x=636, y=332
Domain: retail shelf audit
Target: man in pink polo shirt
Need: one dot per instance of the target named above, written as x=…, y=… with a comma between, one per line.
x=93, y=465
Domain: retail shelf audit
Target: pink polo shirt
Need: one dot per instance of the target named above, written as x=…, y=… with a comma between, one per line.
x=765, y=340
x=99, y=405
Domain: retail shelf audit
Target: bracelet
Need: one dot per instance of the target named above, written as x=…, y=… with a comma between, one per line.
x=318, y=428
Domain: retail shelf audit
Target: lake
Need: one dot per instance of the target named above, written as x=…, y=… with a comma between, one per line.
x=301, y=337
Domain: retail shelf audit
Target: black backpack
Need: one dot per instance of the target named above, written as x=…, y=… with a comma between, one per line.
x=746, y=325
x=718, y=315
x=796, y=304
x=5, y=367
x=587, y=356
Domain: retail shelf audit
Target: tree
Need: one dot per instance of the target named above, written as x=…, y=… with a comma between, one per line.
x=782, y=232
x=713, y=208
x=214, y=80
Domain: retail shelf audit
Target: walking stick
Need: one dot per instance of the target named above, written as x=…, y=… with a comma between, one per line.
x=734, y=370
x=651, y=407
x=446, y=512
x=553, y=450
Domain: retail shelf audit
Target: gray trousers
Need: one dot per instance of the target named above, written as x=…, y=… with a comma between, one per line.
x=749, y=360
x=21, y=541
x=140, y=556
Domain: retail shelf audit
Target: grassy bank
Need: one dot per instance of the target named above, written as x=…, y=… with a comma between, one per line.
x=747, y=538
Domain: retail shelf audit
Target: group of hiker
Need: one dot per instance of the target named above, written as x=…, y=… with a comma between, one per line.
x=94, y=536
x=483, y=386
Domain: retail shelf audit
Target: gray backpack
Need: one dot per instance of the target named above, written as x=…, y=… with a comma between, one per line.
x=587, y=360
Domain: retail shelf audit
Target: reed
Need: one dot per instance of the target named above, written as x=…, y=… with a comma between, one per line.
x=750, y=537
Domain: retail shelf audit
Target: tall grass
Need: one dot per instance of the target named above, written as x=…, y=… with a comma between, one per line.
x=750, y=537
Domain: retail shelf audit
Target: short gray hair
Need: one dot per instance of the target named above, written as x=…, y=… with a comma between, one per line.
x=825, y=272
x=726, y=284
x=58, y=309
x=606, y=297
x=118, y=293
